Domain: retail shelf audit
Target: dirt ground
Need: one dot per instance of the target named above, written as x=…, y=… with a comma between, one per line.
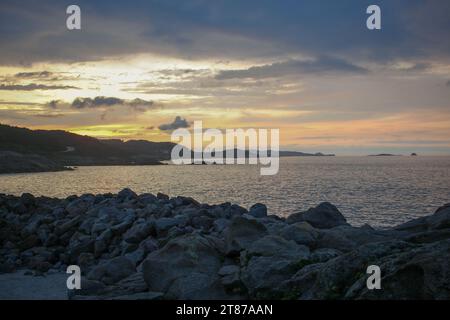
x=18, y=286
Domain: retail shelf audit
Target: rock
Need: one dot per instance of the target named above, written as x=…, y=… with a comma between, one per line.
x=109, y=272
x=324, y=216
x=126, y=194
x=185, y=268
x=27, y=199
x=162, y=225
x=85, y=260
x=102, y=242
x=132, y=284
x=346, y=238
x=202, y=222
x=162, y=196
x=78, y=246
x=277, y=246
x=241, y=233
x=268, y=262
x=140, y=230
x=337, y=276
x=66, y=226
x=301, y=233
x=79, y=206
x=120, y=228
x=418, y=273
x=221, y=224
x=325, y=254
x=146, y=247
x=88, y=288
x=147, y=198
x=29, y=242
x=231, y=280
x=258, y=210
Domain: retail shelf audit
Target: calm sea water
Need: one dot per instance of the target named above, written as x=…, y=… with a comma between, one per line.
x=381, y=191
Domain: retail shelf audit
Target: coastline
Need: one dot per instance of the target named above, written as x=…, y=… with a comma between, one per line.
x=131, y=246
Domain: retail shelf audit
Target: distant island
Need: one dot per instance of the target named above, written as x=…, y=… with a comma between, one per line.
x=25, y=150
x=384, y=155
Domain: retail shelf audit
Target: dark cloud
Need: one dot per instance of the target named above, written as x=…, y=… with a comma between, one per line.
x=138, y=105
x=36, y=74
x=448, y=83
x=33, y=86
x=81, y=103
x=54, y=104
x=176, y=124
x=292, y=67
x=35, y=30
x=421, y=66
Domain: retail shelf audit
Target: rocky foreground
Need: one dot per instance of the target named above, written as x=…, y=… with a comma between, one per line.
x=154, y=247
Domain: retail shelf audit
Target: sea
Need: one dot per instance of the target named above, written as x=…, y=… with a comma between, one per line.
x=379, y=191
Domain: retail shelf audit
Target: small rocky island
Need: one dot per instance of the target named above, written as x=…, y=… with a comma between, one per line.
x=131, y=246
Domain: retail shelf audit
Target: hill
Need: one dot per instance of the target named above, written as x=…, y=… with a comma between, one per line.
x=69, y=149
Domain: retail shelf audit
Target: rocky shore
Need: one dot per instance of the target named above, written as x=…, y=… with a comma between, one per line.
x=131, y=246
x=13, y=162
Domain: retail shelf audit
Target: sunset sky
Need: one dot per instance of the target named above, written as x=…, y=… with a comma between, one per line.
x=138, y=69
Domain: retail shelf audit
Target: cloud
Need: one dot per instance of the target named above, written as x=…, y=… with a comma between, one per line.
x=50, y=115
x=36, y=74
x=102, y=103
x=176, y=124
x=225, y=30
x=54, y=104
x=417, y=67
x=82, y=103
x=33, y=86
x=448, y=83
x=322, y=65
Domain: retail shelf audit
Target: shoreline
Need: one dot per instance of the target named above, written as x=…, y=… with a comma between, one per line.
x=147, y=246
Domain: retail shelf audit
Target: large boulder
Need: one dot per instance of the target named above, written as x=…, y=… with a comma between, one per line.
x=269, y=261
x=185, y=268
x=140, y=230
x=111, y=271
x=438, y=221
x=300, y=232
x=324, y=216
x=241, y=233
x=258, y=210
x=332, y=279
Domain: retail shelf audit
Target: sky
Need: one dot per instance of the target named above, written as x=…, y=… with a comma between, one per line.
x=312, y=69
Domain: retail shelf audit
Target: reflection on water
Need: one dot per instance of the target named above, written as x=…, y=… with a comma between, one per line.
x=381, y=191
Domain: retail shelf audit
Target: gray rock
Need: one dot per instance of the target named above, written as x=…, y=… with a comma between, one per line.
x=346, y=238
x=162, y=225
x=185, y=268
x=325, y=254
x=126, y=194
x=301, y=233
x=241, y=233
x=139, y=231
x=88, y=288
x=258, y=210
x=66, y=226
x=324, y=216
x=102, y=242
x=109, y=272
x=269, y=261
